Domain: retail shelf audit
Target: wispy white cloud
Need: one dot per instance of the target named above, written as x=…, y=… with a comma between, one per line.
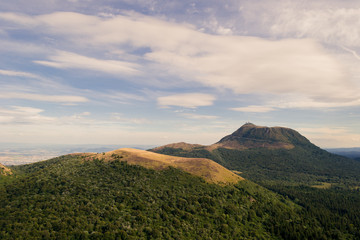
x=43, y=97
x=187, y=100
x=71, y=60
x=324, y=130
x=309, y=104
x=120, y=97
x=198, y=116
x=339, y=26
x=332, y=137
x=120, y=118
x=352, y=52
x=23, y=115
x=299, y=103
x=254, y=109
x=18, y=74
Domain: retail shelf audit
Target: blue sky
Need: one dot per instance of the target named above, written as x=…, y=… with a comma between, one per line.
x=156, y=72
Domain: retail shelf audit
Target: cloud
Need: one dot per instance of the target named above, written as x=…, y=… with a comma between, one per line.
x=80, y=115
x=332, y=137
x=117, y=97
x=17, y=18
x=18, y=74
x=324, y=130
x=309, y=103
x=187, y=100
x=23, y=115
x=199, y=116
x=352, y=52
x=339, y=26
x=254, y=109
x=43, y=97
x=119, y=118
x=287, y=67
x=71, y=60
x=299, y=103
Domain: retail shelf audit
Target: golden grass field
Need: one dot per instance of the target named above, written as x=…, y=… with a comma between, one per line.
x=209, y=170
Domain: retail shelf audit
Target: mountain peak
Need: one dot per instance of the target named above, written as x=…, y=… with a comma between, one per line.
x=252, y=136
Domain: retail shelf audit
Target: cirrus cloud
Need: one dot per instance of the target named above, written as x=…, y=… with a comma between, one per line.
x=43, y=97
x=17, y=74
x=339, y=26
x=187, y=100
x=71, y=60
x=254, y=109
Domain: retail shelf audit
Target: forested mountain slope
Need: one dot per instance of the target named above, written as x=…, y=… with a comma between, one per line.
x=283, y=160
x=73, y=197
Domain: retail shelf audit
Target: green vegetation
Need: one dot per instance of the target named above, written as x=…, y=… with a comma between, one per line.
x=69, y=198
x=300, y=192
x=299, y=174
x=295, y=173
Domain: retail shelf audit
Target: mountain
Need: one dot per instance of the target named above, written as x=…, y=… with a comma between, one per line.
x=247, y=137
x=101, y=196
x=209, y=170
x=265, y=154
x=252, y=136
x=4, y=170
x=353, y=153
x=281, y=159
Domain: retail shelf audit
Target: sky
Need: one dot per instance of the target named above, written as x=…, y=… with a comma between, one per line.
x=155, y=72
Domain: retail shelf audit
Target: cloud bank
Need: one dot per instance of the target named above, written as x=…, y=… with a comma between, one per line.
x=296, y=67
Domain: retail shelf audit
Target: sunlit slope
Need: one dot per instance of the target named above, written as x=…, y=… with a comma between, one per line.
x=209, y=170
x=4, y=170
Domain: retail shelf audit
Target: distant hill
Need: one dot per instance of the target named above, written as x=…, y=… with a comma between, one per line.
x=4, y=170
x=353, y=153
x=209, y=170
x=100, y=196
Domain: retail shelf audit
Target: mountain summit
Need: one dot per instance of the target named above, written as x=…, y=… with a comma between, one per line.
x=248, y=136
x=253, y=136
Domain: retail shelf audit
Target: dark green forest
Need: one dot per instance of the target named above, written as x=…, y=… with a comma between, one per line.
x=68, y=198
x=299, y=174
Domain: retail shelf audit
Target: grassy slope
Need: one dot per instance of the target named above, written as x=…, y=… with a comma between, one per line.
x=4, y=170
x=205, y=168
x=306, y=164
